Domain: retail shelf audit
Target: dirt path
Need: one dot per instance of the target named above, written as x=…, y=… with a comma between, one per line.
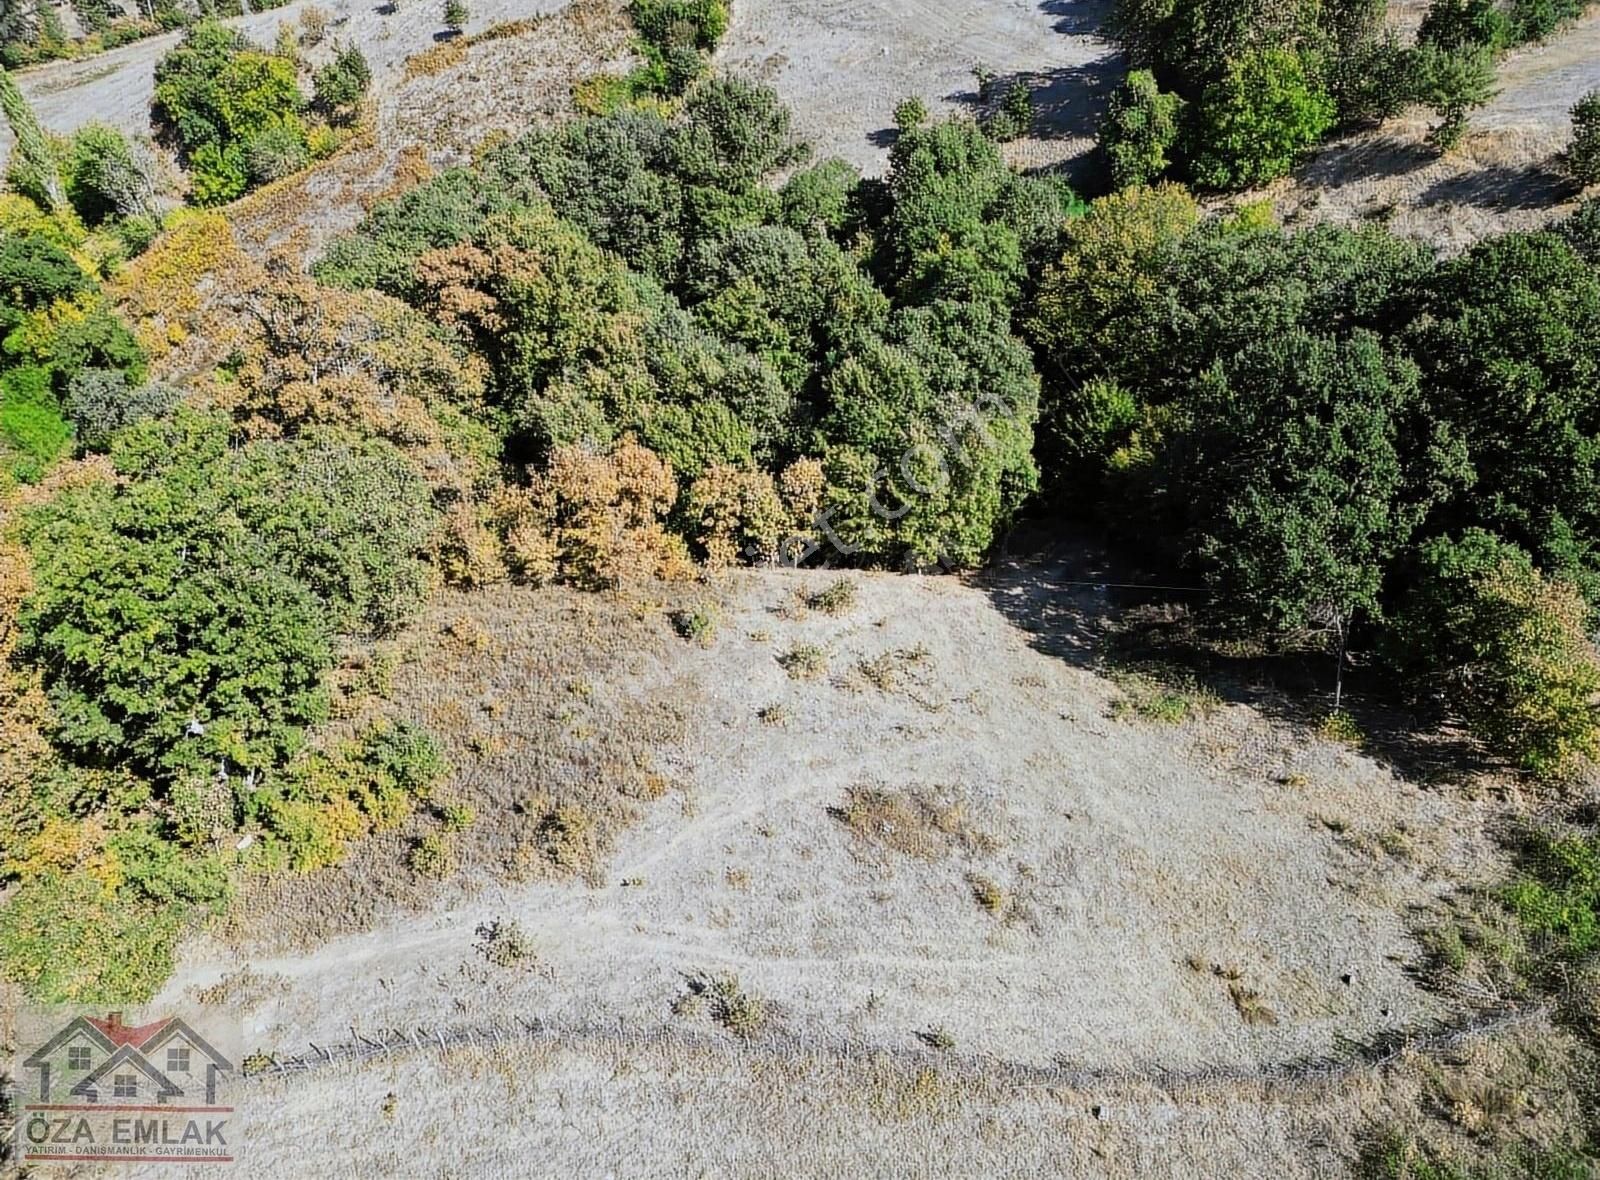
x=117, y=87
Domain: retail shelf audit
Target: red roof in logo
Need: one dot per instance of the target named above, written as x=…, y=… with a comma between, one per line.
x=123, y=1034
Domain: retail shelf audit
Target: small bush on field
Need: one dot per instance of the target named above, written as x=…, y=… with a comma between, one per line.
x=804, y=661
x=938, y=1037
x=433, y=856
x=889, y=671
x=568, y=837
x=1169, y=700
x=1557, y=897
x=505, y=943
x=457, y=817
x=989, y=895
x=726, y=1002
x=1340, y=726
x=837, y=598
x=698, y=624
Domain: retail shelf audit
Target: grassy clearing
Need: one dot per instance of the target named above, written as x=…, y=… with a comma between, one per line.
x=521, y=688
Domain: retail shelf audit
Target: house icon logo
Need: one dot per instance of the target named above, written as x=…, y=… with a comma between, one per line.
x=98, y=1088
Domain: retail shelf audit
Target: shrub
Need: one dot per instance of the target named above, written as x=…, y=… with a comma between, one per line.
x=276, y=151
x=1557, y=896
x=100, y=402
x=218, y=174
x=314, y=24
x=342, y=83
x=1506, y=648
x=910, y=113
x=311, y=810
x=505, y=943
x=596, y=520
x=1139, y=130
x=1014, y=119
x=836, y=598
x=433, y=856
x=663, y=23
x=698, y=625
x=1453, y=81
x=67, y=939
x=33, y=434
x=104, y=179
x=217, y=94
x=804, y=661
x=455, y=15
x=1463, y=25
x=1583, y=155
x=1252, y=124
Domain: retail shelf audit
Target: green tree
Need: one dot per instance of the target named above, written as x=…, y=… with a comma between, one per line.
x=1253, y=122
x=185, y=615
x=455, y=15
x=217, y=94
x=1454, y=82
x=1455, y=25
x=341, y=84
x=1508, y=336
x=32, y=171
x=1583, y=155
x=1140, y=130
x=1504, y=648
x=1299, y=470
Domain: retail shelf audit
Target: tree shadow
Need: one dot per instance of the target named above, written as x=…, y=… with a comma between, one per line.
x=1078, y=18
x=1532, y=186
x=1066, y=101
x=1079, y=605
x=1365, y=158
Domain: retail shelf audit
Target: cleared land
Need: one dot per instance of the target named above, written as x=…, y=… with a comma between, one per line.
x=936, y=833
x=843, y=65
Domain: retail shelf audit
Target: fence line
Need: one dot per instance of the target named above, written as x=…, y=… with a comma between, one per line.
x=1349, y=1057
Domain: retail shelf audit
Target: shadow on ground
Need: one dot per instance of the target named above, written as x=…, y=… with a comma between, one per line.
x=1533, y=186
x=1078, y=18
x=1355, y=160
x=1079, y=606
x=1066, y=102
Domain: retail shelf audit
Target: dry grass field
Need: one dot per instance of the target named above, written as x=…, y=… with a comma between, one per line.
x=885, y=867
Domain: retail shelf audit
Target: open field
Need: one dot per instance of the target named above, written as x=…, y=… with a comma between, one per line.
x=843, y=66
x=946, y=835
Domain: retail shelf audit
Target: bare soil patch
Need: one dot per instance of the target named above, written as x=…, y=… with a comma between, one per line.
x=1049, y=876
